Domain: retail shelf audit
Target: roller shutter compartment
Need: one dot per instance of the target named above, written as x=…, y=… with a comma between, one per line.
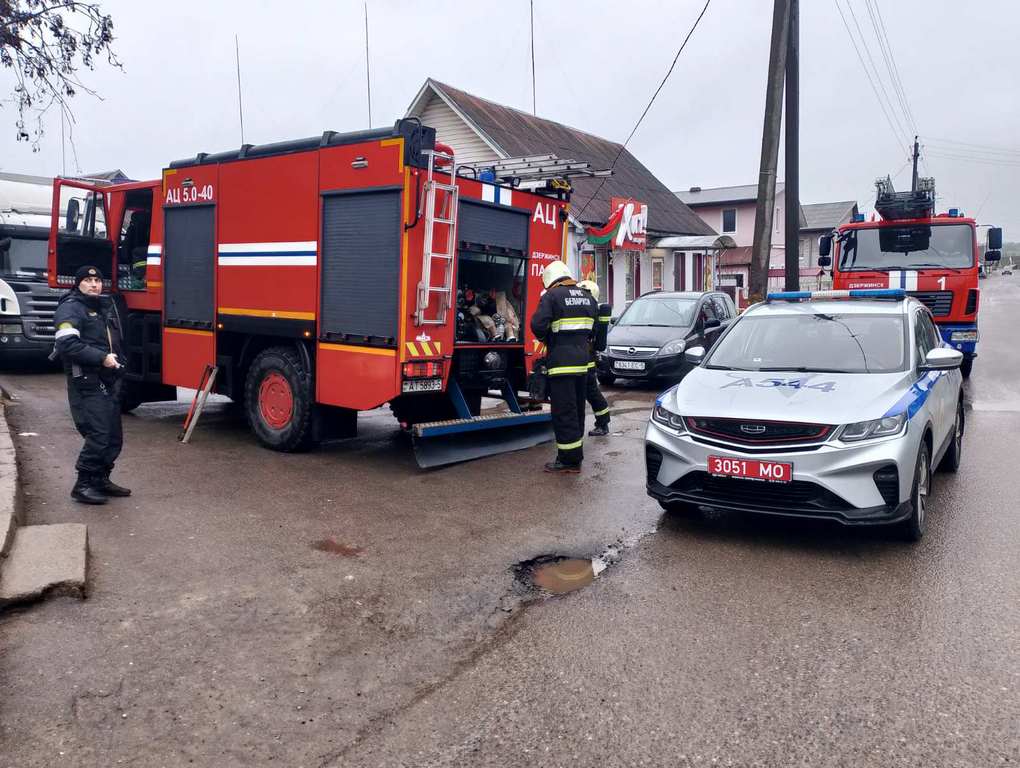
x=492, y=225
x=189, y=259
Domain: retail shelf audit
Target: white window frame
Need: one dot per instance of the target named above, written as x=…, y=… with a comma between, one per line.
x=722, y=221
x=661, y=262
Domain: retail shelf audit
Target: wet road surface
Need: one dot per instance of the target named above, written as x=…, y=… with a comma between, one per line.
x=343, y=608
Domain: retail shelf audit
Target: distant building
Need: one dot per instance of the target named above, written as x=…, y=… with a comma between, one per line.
x=480, y=130
x=732, y=212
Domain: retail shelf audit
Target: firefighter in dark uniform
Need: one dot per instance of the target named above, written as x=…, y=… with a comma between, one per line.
x=88, y=342
x=565, y=322
x=597, y=401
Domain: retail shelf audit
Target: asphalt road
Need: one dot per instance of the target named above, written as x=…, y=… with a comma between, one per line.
x=342, y=608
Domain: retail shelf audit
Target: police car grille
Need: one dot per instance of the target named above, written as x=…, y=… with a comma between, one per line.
x=734, y=491
x=758, y=432
x=939, y=302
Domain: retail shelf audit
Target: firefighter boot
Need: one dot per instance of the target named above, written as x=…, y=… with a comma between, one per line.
x=104, y=485
x=558, y=467
x=599, y=430
x=84, y=491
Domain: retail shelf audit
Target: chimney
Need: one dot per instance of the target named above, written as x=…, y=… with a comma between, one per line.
x=694, y=189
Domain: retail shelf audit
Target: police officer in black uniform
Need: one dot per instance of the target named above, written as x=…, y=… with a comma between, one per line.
x=565, y=322
x=88, y=341
x=597, y=401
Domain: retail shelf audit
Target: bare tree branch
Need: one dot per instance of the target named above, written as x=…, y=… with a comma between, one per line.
x=45, y=43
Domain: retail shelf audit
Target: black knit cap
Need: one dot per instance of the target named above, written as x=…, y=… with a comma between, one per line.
x=86, y=271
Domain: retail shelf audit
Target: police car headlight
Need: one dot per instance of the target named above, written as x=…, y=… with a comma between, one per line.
x=673, y=348
x=866, y=430
x=669, y=419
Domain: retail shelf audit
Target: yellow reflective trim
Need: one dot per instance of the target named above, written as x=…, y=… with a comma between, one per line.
x=570, y=446
x=359, y=350
x=270, y=313
x=603, y=412
x=412, y=349
x=426, y=347
x=65, y=325
x=565, y=369
x=439, y=347
x=573, y=324
x=605, y=318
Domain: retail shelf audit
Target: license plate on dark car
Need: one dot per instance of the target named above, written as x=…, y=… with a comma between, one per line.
x=750, y=469
x=629, y=365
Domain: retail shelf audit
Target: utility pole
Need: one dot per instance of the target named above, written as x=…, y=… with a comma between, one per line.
x=534, y=107
x=917, y=151
x=368, y=73
x=761, y=248
x=792, y=250
x=240, y=106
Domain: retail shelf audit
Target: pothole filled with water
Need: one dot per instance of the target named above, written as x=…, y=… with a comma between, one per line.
x=562, y=574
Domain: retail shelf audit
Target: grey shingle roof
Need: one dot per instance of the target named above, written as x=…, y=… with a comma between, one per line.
x=519, y=134
x=827, y=215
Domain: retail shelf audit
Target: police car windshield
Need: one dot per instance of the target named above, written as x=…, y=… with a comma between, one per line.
x=848, y=343
x=659, y=311
x=908, y=247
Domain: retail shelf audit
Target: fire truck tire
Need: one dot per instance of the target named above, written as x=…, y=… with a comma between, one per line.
x=966, y=366
x=279, y=401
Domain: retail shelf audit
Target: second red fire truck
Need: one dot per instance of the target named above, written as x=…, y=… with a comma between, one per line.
x=933, y=257
x=327, y=276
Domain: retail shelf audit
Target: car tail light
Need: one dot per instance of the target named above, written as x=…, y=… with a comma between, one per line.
x=423, y=370
x=972, y=301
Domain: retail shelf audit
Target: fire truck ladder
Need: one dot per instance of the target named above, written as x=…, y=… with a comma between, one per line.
x=440, y=210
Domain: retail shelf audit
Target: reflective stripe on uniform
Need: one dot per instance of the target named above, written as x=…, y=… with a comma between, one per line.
x=603, y=412
x=567, y=369
x=573, y=324
x=62, y=332
x=605, y=319
x=570, y=446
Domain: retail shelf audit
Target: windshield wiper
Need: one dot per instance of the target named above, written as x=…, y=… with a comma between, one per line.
x=801, y=369
x=937, y=266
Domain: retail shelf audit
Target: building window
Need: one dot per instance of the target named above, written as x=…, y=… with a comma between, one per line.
x=657, y=273
x=729, y=220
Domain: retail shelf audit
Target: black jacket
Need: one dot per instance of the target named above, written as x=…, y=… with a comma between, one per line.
x=565, y=320
x=87, y=326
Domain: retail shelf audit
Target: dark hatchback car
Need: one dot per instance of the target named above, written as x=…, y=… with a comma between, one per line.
x=649, y=338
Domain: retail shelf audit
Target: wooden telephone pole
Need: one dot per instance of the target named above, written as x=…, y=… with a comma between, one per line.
x=761, y=248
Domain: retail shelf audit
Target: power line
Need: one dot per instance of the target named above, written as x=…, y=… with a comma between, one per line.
x=874, y=88
x=991, y=147
x=972, y=159
x=878, y=76
x=991, y=154
x=890, y=63
x=651, y=101
x=896, y=69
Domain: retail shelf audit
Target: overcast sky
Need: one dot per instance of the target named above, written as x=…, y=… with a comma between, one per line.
x=598, y=62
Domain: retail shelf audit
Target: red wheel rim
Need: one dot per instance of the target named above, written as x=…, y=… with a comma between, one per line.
x=276, y=401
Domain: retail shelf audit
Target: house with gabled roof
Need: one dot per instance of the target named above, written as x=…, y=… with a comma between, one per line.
x=480, y=131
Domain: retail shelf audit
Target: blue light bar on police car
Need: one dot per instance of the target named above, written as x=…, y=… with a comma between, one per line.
x=857, y=293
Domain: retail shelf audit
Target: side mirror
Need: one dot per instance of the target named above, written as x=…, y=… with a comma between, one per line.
x=695, y=355
x=73, y=212
x=995, y=239
x=712, y=322
x=824, y=247
x=942, y=359
x=993, y=255
x=825, y=261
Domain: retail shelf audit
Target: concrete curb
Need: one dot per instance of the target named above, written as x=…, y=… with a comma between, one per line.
x=8, y=483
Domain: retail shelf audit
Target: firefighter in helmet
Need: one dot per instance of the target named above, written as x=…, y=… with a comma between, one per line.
x=597, y=401
x=565, y=322
x=88, y=342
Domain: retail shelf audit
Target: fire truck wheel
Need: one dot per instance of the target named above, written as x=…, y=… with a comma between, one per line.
x=278, y=400
x=966, y=366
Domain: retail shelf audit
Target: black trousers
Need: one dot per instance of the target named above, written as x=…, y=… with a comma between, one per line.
x=597, y=401
x=95, y=409
x=566, y=394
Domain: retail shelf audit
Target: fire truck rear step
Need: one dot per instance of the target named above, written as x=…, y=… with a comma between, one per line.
x=440, y=443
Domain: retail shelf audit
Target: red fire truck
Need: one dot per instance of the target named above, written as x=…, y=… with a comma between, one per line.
x=327, y=276
x=933, y=257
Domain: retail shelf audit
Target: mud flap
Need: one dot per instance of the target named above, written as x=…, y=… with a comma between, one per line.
x=439, y=443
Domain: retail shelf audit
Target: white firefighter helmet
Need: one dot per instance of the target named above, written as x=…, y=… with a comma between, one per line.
x=553, y=272
x=591, y=286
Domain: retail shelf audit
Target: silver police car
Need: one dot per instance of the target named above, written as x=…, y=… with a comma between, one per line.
x=833, y=404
